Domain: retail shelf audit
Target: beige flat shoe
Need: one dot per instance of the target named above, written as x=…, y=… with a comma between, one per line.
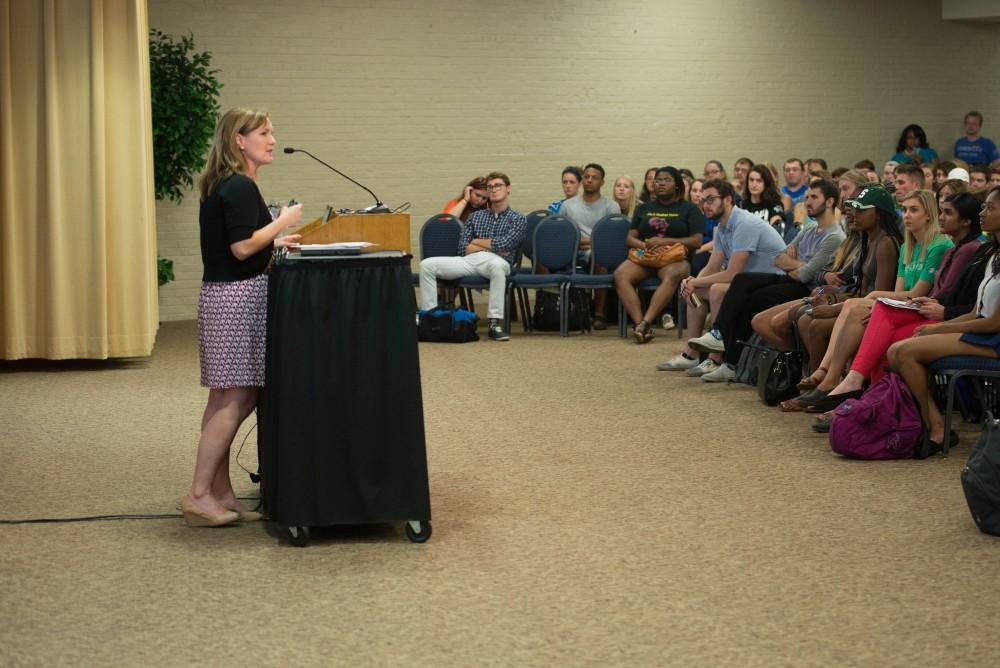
x=199, y=518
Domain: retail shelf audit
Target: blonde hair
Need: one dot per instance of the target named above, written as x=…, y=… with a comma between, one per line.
x=225, y=158
x=928, y=200
x=632, y=199
x=856, y=176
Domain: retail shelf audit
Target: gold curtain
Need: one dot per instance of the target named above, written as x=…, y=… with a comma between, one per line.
x=77, y=216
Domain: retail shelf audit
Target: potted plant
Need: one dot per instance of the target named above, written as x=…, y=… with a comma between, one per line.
x=185, y=108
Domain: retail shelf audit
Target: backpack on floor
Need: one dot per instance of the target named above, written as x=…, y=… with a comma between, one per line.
x=981, y=479
x=546, y=314
x=443, y=325
x=883, y=424
x=778, y=374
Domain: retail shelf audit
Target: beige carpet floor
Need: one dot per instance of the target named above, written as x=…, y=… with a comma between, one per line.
x=588, y=510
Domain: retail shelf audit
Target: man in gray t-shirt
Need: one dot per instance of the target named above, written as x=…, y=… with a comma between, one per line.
x=584, y=211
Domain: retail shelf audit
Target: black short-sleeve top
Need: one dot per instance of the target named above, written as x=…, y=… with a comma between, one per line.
x=232, y=212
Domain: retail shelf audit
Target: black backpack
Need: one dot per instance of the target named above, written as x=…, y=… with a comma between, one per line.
x=981, y=478
x=546, y=315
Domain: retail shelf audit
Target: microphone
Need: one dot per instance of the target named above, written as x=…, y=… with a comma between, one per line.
x=378, y=207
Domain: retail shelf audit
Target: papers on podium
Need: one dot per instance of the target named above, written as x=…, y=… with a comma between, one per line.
x=338, y=248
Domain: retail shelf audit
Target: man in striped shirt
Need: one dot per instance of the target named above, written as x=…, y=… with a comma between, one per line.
x=488, y=248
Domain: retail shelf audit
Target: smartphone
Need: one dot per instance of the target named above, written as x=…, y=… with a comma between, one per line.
x=694, y=300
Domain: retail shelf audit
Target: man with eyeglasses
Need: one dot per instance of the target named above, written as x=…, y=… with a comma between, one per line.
x=488, y=248
x=743, y=242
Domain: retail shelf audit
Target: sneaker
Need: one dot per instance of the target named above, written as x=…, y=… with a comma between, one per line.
x=708, y=343
x=599, y=323
x=677, y=363
x=708, y=366
x=721, y=375
x=643, y=333
x=667, y=321
x=496, y=332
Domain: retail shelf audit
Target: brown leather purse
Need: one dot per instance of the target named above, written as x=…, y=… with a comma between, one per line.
x=658, y=256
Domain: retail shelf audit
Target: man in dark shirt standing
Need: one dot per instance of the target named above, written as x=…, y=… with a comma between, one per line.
x=667, y=220
x=488, y=247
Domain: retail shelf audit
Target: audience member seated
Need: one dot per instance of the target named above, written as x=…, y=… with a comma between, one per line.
x=952, y=187
x=473, y=198
x=889, y=172
x=571, y=178
x=909, y=178
x=928, y=170
x=584, y=211
x=953, y=294
x=912, y=147
x=488, y=247
x=794, y=190
x=743, y=242
x=648, y=193
x=740, y=171
x=761, y=197
x=875, y=268
x=941, y=172
x=704, y=251
x=803, y=262
x=625, y=195
x=995, y=176
x=923, y=249
x=866, y=165
x=974, y=334
x=979, y=178
x=973, y=148
x=714, y=171
x=665, y=222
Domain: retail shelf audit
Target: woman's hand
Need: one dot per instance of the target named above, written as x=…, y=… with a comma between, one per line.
x=929, y=308
x=867, y=315
x=290, y=216
x=924, y=330
x=653, y=242
x=287, y=240
x=467, y=194
x=833, y=278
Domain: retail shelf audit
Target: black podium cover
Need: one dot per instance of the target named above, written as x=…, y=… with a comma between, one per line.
x=341, y=417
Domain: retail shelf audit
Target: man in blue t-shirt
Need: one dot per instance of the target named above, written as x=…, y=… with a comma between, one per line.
x=795, y=188
x=973, y=148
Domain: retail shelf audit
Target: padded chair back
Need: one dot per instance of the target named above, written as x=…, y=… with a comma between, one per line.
x=439, y=236
x=608, y=245
x=555, y=242
x=530, y=223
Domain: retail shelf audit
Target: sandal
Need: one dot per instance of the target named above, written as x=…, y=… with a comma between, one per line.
x=642, y=332
x=791, y=406
x=823, y=422
x=810, y=382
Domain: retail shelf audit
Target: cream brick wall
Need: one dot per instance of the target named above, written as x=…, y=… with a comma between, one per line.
x=415, y=98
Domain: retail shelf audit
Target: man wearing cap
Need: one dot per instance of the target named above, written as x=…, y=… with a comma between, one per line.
x=803, y=266
x=974, y=148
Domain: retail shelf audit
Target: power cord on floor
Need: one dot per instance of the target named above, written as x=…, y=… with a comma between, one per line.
x=104, y=518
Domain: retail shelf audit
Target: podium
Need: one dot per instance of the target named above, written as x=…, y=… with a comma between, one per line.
x=391, y=231
x=340, y=421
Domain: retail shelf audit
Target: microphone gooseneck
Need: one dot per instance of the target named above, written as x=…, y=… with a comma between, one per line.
x=379, y=206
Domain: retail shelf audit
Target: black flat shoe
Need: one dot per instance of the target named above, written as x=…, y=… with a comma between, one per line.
x=831, y=401
x=812, y=396
x=927, y=447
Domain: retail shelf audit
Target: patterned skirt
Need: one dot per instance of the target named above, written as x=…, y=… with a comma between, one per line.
x=232, y=322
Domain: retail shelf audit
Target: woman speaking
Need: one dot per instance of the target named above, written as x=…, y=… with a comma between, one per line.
x=237, y=239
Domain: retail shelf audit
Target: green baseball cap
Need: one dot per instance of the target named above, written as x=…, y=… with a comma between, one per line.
x=875, y=197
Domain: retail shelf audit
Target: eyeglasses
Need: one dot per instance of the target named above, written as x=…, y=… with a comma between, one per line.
x=493, y=187
x=708, y=199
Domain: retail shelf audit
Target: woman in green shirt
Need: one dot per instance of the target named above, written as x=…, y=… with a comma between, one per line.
x=923, y=248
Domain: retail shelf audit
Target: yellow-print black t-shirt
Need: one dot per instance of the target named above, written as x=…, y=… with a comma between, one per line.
x=675, y=220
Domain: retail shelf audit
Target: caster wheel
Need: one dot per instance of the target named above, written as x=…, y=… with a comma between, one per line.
x=299, y=536
x=418, y=532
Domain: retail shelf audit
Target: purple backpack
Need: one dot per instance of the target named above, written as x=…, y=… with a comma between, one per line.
x=883, y=424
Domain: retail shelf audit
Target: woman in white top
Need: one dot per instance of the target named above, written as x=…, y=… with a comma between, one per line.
x=976, y=334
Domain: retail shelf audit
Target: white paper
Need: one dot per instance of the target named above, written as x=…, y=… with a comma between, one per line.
x=897, y=303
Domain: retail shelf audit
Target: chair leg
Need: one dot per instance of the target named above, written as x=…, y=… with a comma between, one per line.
x=948, y=406
x=563, y=310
